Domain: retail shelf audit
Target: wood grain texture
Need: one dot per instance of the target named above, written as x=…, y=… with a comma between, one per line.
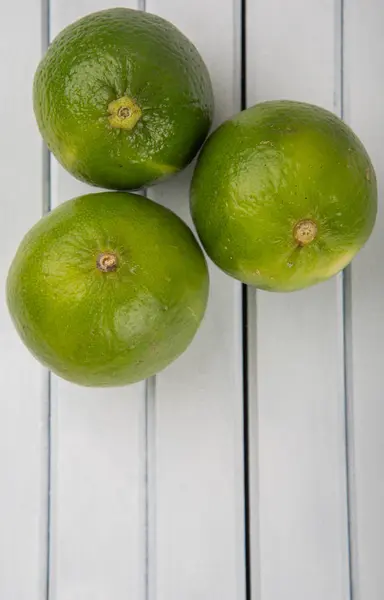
x=299, y=516
x=24, y=384
x=198, y=486
x=98, y=454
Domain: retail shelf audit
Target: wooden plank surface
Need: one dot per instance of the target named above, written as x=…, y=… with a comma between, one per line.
x=299, y=508
x=147, y=497
x=24, y=384
x=198, y=543
x=98, y=454
x=364, y=111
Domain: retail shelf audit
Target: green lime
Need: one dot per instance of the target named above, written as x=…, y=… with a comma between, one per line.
x=283, y=196
x=108, y=289
x=123, y=99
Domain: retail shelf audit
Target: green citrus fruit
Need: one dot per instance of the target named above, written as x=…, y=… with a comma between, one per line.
x=283, y=195
x=123, y=99
x=108, y=289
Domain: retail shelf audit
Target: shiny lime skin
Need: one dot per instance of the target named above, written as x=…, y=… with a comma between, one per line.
x=265, y=170
x=111, y=328
x=123, y=53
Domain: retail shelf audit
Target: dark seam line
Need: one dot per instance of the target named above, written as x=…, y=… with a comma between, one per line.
x=150, y=491
x=146, y=483
x=347, y=425
x=245, y=341
x=246, y=434
x=49, y=486
x=346, y=312
x=46, y=207
x=149, y=392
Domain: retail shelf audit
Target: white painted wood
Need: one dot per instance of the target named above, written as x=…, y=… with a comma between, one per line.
x=197, y=490
x=297, y=404
x=98, y=454
x=193, y=419
x=364, y=65
x=24, y=384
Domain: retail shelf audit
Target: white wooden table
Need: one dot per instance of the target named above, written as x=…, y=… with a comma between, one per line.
x=152, y=492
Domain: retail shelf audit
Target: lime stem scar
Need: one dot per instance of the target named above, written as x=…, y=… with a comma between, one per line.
x=124, y=113
x=106, y=262
x=305, y=232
